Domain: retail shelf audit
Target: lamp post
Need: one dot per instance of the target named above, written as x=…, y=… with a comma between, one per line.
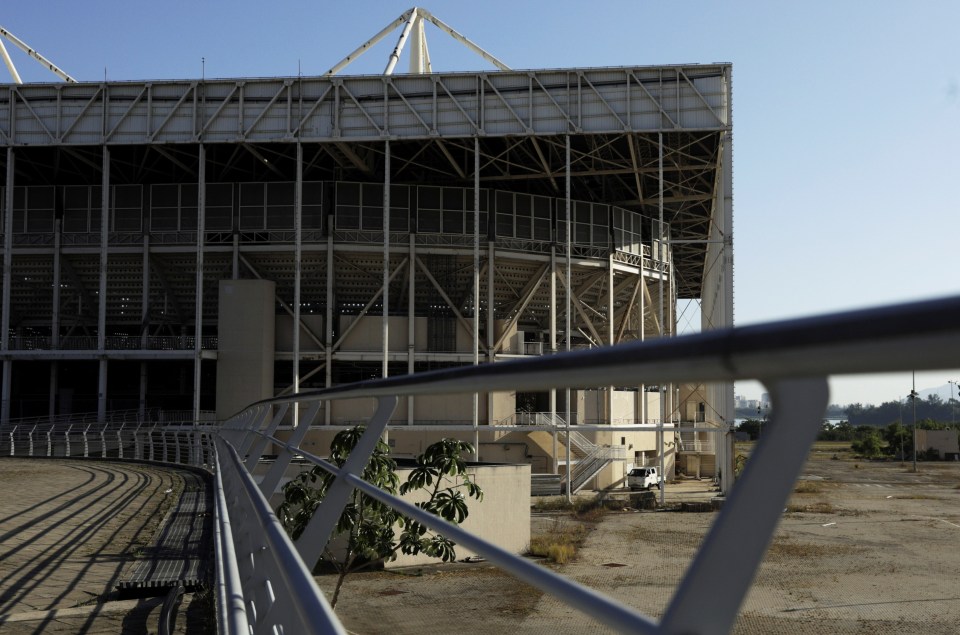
x=913, y=398
x=900, y=431
x=953, y=405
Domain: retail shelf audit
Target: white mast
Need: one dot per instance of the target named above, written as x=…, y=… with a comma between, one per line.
x=419, y=55
x=20, y=44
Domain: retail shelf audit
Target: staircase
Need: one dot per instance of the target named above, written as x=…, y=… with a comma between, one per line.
x=586, y=459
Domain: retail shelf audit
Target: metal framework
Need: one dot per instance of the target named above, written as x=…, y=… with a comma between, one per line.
x=125, y=203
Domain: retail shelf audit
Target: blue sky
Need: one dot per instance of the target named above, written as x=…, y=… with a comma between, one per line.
x=846, y=114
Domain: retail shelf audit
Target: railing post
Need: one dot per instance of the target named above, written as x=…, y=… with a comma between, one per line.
x=321, y=526
x=709, y=597
x=272, y=479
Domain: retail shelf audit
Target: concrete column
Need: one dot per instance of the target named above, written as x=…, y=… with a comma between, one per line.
x=102, y=293
x=726, y=405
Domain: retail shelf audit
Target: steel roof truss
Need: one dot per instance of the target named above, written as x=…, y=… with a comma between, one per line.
x=15, y=92
x=191, y=90
x=216, y=113
x=285, y=87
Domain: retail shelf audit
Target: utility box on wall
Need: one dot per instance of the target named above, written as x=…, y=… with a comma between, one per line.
x=246, y=325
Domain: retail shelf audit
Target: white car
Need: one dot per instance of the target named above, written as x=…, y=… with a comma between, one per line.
x=643, y=478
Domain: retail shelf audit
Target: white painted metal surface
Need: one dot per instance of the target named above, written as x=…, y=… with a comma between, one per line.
x=599, y=100
x=20, y=44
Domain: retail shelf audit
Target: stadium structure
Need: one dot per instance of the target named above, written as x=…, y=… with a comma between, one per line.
x=198, y=245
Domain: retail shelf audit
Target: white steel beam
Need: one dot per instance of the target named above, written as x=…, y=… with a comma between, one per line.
x=297, y=273
x=20, y=44
x=198, y=303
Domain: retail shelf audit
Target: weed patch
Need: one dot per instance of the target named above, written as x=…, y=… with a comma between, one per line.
x=560, y=543
x=808, y=487
x=821, y=507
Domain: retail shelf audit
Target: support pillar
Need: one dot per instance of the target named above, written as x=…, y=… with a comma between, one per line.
x=411, y=320
x=198, y=318
x=7, y=276
x=569, y=307
x=611, y=331
x=553, y=351
x=55, y=321
x=144, y=324
x=491, y=342
x=660, y=259
x=54, y=389
x=476, y=288
x=328, y=319
x=297, y=272
x=102, y=293
x=386, y=272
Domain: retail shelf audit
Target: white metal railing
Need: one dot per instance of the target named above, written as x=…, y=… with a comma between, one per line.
x=264, y=587
x=533, y=419
x=792, y=359
x=112, y=342
x=694, y=444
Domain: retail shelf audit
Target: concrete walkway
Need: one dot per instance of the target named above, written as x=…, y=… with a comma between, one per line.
x=68, y=530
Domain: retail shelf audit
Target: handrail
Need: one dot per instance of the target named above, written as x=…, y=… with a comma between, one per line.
x=921, y=335
x=793, y=358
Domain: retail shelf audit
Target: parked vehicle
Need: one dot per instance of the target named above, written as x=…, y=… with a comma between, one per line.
x=643, y=478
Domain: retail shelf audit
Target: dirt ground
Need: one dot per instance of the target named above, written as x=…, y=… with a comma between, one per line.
x=864, y=547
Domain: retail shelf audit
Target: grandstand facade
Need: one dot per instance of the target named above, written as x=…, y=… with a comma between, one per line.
x=161, y=240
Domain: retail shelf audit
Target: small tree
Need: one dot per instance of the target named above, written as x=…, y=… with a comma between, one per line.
x=366, y=531
x=869, y=445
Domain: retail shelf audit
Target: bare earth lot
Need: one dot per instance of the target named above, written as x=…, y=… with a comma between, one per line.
x=864, y=548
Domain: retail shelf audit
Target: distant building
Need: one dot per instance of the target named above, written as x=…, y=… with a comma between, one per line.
x=945, y=442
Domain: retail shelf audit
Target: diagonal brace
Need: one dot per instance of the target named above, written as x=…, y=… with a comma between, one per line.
x=715, y=585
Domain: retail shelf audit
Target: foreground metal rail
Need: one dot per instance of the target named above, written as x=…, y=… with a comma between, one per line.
x=793, y=359
x=263, y=585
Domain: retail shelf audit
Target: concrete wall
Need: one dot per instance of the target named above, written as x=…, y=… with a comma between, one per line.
x=592, y=406
x=367, y=335
x=449, y=409
x=283, y=340
x=944, y=441
x=246, y=327
x=502, y=517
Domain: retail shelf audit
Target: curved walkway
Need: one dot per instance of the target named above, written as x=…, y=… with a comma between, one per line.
x=68, y=529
